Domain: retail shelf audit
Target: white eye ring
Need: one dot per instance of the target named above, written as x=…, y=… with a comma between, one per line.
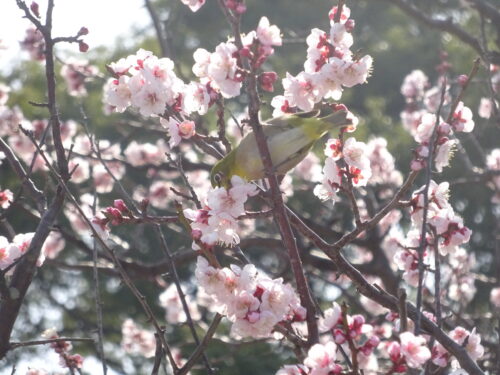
x=218, y=177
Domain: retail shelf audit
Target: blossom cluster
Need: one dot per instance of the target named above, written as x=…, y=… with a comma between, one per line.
x=12, y=251
x=170, y=300
x=411, y=351
x=63, y=348
x=357, y=167
x=217, y=221
x=330, y=66
x=252, y=301
x=420, y=119
x=222, y=71
x=447, y=232
x=137, y=341
x=75, y=72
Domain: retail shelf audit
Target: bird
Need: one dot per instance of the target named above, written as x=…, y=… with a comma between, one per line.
x=289, y=137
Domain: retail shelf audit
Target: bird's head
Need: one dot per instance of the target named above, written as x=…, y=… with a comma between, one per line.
x=221, y=173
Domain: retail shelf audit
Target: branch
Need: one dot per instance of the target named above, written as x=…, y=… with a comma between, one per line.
x=26, y=182
x=15, y=345
x=286, y=232
x=200, y=349
x=160, y=34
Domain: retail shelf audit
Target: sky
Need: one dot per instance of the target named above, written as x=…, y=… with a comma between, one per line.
x=105, y=19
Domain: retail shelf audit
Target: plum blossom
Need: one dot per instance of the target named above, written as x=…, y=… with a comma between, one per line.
x=145, y=81
x=292, y=370
x=495, y=297
x=354, y=154
x=493, y=164
x=331, y=318
x=117, y=93
x=178, y=130
x=194, y=5
x=137, y=341
x=321, y=359
x=172, y=303
x=414, y=85
x=34, y=44
x=330, y=182
x=414, y=349
x=6, y=198
x=462, y=119
x=485, y=108
x=75, y=72
x=268, y=35
x=220, y=68
x=145, y=153
x=253, y=302
x=302, y=90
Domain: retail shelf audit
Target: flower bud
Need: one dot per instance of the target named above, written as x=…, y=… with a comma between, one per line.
x=83, y=31
x=35, y=9
x=120, y=205
x=267, y=80
x=349, y=25
x=83, y=47
x=462, y=79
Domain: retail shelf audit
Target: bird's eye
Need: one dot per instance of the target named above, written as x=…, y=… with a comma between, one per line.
x=218, y=178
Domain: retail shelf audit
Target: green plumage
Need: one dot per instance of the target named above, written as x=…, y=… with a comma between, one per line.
x=289, y=137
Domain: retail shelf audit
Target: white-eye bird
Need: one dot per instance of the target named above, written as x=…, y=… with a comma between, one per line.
x=289, y=137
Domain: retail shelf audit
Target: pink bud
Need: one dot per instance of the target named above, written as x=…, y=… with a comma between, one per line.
x=231, y=4
x=349, y=25
x=444, y=128
x=417, y=165
x=339, y=107
x=84, y=47
x=462, y=79
x=253, y=316
x=196, y=234
x=83, y=31
x=267, y=80
x=120, y=204
x=246, y=52
x=35, y=9
x=241, y=8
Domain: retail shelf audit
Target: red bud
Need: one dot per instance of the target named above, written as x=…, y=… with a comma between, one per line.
x=84, y=47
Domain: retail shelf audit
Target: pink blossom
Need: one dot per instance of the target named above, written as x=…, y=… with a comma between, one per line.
x=485, y=108
x=268, y=35
x=178, y=130
x=194, y=5
x=292, y=370
x=354, y=154
x=414, y=349
x=495, y=297
x=117, y=93
x=302, y=91
x=462, y=119
x=331, y=318
x=321, y=359
x=6, y=198
x=414, y=85
x=137, y=341
x=331, y=180
x=171, y=302
x=75, y=72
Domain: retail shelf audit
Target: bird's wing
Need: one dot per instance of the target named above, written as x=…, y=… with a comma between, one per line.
x=287, y=119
